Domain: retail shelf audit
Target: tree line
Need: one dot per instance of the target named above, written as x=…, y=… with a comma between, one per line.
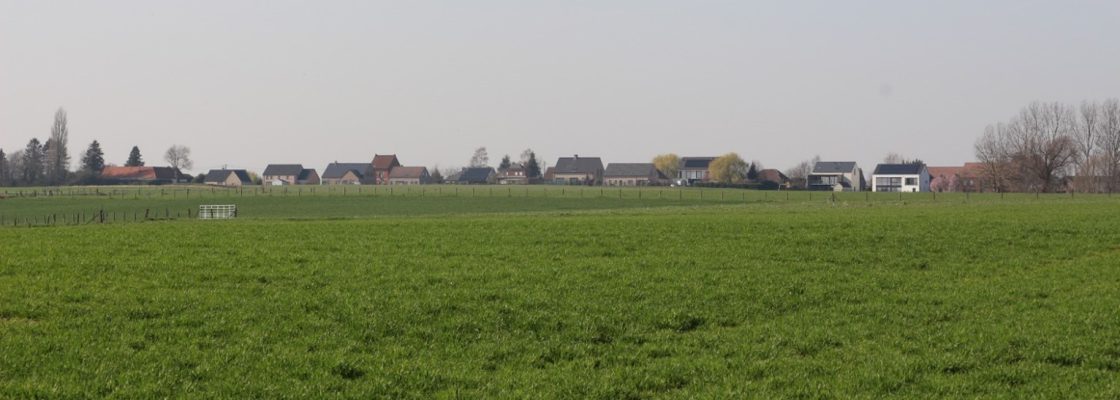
x=1052, y=147
x=48, y=163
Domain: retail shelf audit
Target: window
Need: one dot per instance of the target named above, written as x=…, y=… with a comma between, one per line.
x=911, y=181
x=888, y=184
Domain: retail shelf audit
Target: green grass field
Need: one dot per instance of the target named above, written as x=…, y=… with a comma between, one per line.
x=431, y=295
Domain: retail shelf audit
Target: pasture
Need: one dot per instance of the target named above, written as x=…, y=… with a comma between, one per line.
x=612, y=294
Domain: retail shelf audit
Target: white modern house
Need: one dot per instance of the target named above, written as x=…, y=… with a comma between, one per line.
x=900, y=178
x=837, y=176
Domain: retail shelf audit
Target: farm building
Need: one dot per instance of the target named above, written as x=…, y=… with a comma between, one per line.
x=839, y=176
x=514, y=175
x=964, y=178
x=410, y=176
x=694, y=169
x=900, y=178
x=633, y=174
x=228, y=177
x=349, y=174
x=383, y=165
x=143, y=175
x=289, y=174
x=578, y=170
x=772, y=178
x=477, y=176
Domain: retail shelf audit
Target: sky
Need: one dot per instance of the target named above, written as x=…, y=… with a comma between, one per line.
x=248, y=83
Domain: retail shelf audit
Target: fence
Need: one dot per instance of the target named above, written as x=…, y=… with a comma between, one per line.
x=217, y=211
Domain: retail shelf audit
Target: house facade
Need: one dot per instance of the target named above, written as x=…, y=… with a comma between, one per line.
x=349, y=174
x=694, y=169
x=228, y=177
x=143, y=175
x=578, y=170
x=410, y=176
x=289, y=174
x=516, y=174
x=838, y=176
x=900, y=178
x=383, y=165
x=633, y=174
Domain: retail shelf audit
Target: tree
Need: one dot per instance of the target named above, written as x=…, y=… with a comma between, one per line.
x=200, y=178
x=1032, y=151
x=134, y=158
x=752, y=172
x=56, y=151
x=1108, y=142
x=33, y=158
x=728, y=168
x=894, y=158
x=15, y=168
x=505, y=164
x=179, y=157
x=532, y=167
x=437, y=177
x=669, y=164
x=94, y=160
x=480, y=158
x=4, y=172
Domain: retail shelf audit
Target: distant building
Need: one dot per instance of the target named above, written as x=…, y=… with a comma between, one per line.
x=839, y=176
x=383, y=165
x=633, y=174
x=349, y=174
x=477, y=176
x=143, y=175
x=966, y=178
x=900, y=178
x=694, y=169
x=773, y=178
x=228, y=177
x=578, y=170
x=289, y=174
x=410, y=176
x=516, y=174
x=549, y=174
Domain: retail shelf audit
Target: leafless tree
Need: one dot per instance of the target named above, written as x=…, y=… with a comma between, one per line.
x=1042, y=136
x=1085, y=137
x=994, y=153
x=1108, y=142
x=57, y=161
x=480, y=158
x=894, y=158
x=179, y=157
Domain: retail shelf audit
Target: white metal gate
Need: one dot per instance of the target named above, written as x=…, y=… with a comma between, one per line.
x=217, y=211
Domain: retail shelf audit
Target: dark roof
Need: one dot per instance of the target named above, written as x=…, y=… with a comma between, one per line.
x=898, y=169
x=385, y=161
x=630, y=169
x=220, y=175
x=696, y=162
x=337, y=170
x=283, y=170
x=578, y=165
x=834, y=167
x=475, y=175
x=408, y=172
x=306, y=173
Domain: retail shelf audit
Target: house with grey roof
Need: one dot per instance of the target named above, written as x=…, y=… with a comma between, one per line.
x=578, y=170
x=838, y=176
x=228, y=177
x=349, y=174
x=633, y=174
x=900, y=178
x=289, y=174
x=477, y=176
x=694, y=169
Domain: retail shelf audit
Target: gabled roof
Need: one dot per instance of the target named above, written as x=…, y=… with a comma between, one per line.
x=283, y=170
x=772, y=175
x=220, y=175
x=515, y=166
x=696, y=162
x=408, y=172
x=385, y=161
x=834, y=167
x=898, y=169
x=578, y=165
x=630, y=170
x=338, y=170
x=306, y=173
x=475, y=174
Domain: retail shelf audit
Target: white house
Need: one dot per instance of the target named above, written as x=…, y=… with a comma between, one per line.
x=839, y=176
x=900, y=178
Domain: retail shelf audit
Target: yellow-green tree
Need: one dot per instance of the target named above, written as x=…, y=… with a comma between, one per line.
x=668, y=164
x=728, y=168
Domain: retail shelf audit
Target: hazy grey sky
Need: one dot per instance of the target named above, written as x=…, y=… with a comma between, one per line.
x=246, y=83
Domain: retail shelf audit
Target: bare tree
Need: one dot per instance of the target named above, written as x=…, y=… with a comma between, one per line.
x=994, y=155
x=57, y=155
x=894, y=158
x=1085, y=136
x=1108, y=142
x=179, y=157
x=480, y=158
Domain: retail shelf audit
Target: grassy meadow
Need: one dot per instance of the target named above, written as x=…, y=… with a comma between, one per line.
x=615, y=294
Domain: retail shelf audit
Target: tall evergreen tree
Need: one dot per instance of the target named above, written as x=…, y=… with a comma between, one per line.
x=94, y=160
x=4, y=171
x=437, y=177
x=752, y=172
x=134, y=158
x=504, y=165
x=33, y=158
x=532, y=167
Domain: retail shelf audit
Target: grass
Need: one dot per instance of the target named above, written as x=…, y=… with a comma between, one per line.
x=570, y=298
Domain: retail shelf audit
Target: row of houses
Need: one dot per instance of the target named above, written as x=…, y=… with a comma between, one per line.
x=574, y=170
